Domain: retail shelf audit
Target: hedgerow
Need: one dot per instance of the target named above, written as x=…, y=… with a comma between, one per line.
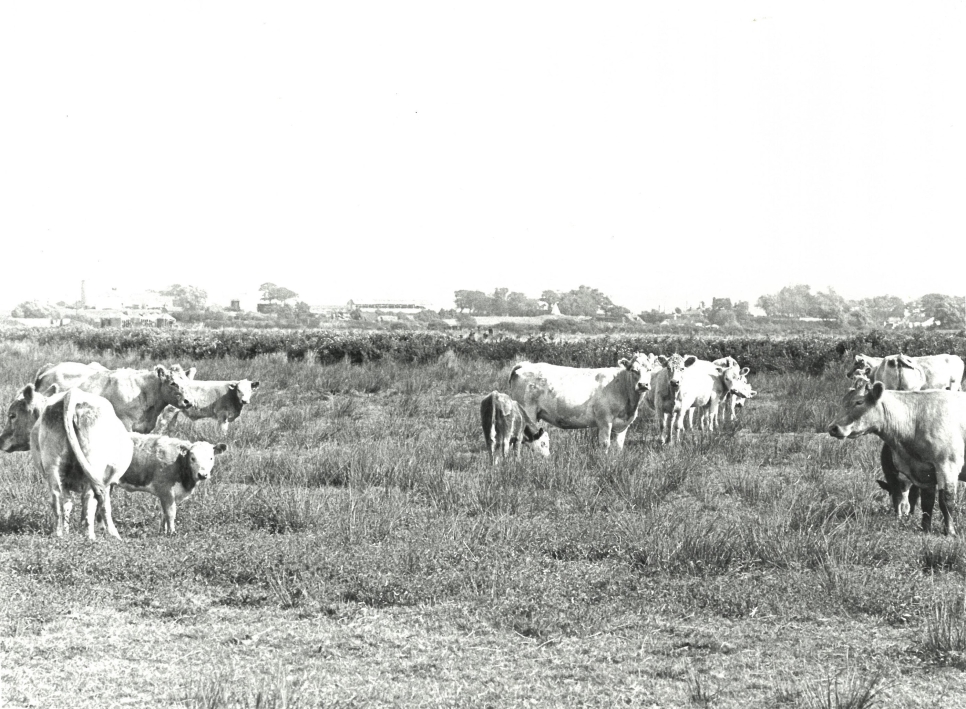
x=812, y=353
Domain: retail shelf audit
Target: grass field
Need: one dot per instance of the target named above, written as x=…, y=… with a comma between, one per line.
x=355, y=548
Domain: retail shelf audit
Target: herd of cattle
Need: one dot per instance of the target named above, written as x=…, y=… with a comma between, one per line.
x=89, y=428
x=914, y=404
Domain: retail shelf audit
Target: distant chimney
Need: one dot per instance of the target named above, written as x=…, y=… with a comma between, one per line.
x=83, y=294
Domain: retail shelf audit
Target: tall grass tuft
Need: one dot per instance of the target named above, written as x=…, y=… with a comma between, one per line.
x=944, y=637
x=225, y=692
x=851, y=691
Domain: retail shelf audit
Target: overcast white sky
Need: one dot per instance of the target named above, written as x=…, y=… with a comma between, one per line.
x=665, y=153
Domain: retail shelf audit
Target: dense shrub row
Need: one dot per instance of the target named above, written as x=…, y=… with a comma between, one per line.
x=810, y=353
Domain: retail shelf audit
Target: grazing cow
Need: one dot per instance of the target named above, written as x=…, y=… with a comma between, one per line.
x=65, y=375
x=78, y=443
x=903, y=373
x=569, y=397
x=170, y=469
x=925, y=432
x=505, y=428
x=219, y=400
x=140, y=395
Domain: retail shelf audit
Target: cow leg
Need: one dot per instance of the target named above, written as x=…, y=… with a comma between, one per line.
x=169, y=508
x=928, y=499
x=603, y=434
x=103, y=495
x=619, y=437
x=51, y=464
x=91, y=508
x=66, y=505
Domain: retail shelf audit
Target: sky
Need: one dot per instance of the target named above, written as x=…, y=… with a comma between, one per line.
x=664, y=153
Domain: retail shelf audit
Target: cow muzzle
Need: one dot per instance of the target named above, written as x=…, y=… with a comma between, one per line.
x=837, y=431
x=643, y=386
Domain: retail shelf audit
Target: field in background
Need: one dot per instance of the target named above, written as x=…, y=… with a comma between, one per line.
x=354, y=547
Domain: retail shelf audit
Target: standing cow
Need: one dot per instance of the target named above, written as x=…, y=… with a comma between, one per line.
x=78, y=443
x=504, y=428
x=170, y=469
x=569, y=397
x=925, y=432
x=222, y=401
x=903, y=373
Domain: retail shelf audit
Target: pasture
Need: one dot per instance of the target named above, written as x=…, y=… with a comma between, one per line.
x=355, y=548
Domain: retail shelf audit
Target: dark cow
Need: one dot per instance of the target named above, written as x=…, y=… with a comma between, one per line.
x=504, y=427
x=925, y=432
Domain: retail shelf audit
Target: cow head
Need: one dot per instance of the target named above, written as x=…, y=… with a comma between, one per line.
x=538, y=441
x=22, y=414
x=675, y=366
x=859, y=415
x=174, y=386
x=198, y=459
x=864, y=365
x=243, y=391
x=640, y=366
x=740, y=385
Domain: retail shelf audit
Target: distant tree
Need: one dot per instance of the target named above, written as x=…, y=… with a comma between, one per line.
x=946, y=309
x=789, y=302
x=742, y=310
x=520, y=305
x=584, y=301
x=302, y=309
x=722, y=317
x=721, y=304
x=474, y=301
x=34, y=309
x=187, y=297
x=879, y=309
x=551, y=298
x=828, y=306
x=272, y=293
x=653, y=316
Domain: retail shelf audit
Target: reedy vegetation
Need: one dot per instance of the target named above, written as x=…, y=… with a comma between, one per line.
x=349, y=487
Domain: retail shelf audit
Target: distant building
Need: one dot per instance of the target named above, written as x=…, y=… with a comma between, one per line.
x=393, y=305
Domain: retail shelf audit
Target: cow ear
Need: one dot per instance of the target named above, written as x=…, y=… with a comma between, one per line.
x=540, y=432
x=884, y=485
x=875, y=393
x=689, y=360
x=191, y=373
x=221, y=448
x=162, y=372
x=28, y=393
x=745, y=371
x=662, y=360
x=254, y=386
x=233, y=385
x=624, y=362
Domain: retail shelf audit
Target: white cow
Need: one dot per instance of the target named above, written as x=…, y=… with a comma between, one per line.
x=78, y=443
x=222, y=401
x=903, y=373
x=569, y=397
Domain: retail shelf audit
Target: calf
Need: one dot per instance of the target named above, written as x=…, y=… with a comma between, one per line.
x=925, y=432
x=219, y=400
x=170, y=469
x=504, y=428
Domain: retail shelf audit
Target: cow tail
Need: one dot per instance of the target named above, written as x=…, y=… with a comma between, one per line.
x=513, y=372
x=75, y=446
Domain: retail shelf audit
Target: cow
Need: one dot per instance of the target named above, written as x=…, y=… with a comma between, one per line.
x=140, y=395
x=219, y=400
x=925, y=432
x=736, y=397
x=569, y=397
x=170, y=469
x=903, y=373
x=660, y=395
x=504, y=428
x=702, y=385
x=77, y=441
x=65, y=375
